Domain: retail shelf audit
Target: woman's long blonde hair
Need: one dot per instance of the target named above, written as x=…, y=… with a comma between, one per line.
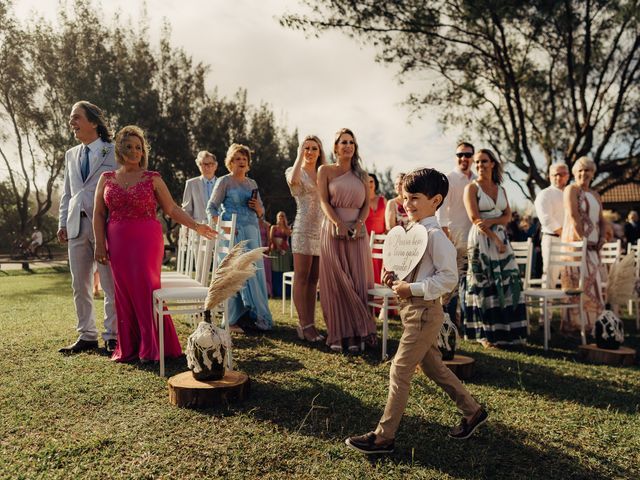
x=356, y=165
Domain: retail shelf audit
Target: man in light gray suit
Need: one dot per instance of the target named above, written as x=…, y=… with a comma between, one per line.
x=84, y=164
x=198, y=190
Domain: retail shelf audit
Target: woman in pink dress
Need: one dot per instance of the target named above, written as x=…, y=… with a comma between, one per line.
x=346, y=271
x=130, y=238
x=375, y=220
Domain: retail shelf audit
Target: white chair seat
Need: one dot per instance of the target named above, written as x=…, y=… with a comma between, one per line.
x=381, y=291
x=548, y=292
x=178, y=282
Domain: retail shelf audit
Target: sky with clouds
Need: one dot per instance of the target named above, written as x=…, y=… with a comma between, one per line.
x=317, y=85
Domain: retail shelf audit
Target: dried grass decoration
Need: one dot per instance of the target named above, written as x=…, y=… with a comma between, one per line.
x=208, y=344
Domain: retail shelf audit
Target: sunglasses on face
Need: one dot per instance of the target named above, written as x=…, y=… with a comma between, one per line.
x=464, y=154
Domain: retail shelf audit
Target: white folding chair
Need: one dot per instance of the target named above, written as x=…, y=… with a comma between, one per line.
x=610, y=253
x=381, y=296
x=287, y=279
x=523, y=253
x=189, y=300
x=186, y=258
x=562, y=254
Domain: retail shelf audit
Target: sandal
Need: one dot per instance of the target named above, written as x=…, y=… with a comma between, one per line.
x=317, y=338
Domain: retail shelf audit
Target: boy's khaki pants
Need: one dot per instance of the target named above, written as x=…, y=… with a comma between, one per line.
x=422, y=321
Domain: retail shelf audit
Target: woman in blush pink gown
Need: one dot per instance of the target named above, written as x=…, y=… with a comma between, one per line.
x=346, y=271
x=132, y=243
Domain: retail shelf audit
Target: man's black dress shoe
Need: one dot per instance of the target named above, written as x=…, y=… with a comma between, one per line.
x=110, y=345
x=80, y=346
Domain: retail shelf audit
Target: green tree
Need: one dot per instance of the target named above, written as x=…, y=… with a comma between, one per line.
x=540, y=81
x=46, y=67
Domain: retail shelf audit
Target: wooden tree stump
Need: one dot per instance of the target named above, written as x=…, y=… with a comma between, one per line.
x=186, y=391
x=462, y=366
x=623, y=357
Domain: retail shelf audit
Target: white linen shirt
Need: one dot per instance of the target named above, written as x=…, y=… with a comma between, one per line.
x=550, y=209
x=452, y=213
x=438, y=269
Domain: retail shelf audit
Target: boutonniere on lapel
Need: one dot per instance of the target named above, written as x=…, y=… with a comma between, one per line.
x=104, y=151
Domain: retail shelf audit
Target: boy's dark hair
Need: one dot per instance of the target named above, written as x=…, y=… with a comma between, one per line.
x=428, y=181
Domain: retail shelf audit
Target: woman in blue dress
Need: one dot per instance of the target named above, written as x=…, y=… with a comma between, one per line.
x=237, y=193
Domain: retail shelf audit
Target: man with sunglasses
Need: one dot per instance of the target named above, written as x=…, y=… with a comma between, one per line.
x=456, y=224
x=550, y=209
x=198, y=190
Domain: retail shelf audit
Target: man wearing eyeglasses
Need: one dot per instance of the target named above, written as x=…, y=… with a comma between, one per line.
x=198, y=190
x=456, y=224
x=550, y=209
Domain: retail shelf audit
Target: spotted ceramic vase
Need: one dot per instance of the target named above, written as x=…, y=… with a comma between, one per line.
x=609, y=331
x=447, y=338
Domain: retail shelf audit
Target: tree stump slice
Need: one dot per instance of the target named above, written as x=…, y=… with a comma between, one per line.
x=187, y=392
x=462, y=366
x=622, y=357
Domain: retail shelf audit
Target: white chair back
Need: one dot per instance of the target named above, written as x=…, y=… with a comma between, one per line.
x=225, y=240
x=568, y=254
x=181, y=250
x=610, y=253
x=376, y=242
x=523, y=253
x=633, y=248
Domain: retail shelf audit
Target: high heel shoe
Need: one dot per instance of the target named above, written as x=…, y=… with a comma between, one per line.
x=300, y=330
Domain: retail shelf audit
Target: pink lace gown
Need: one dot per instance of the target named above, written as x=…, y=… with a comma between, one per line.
x=135, y=246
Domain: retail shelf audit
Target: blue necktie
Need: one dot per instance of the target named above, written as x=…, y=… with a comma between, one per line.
x=209, y=185
x=84, y=169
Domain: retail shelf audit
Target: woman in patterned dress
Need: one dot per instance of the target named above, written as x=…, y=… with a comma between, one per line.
x=495, y=310
x=583, y=220
x=306, y=234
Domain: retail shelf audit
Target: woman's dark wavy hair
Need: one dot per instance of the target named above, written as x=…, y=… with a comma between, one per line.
x=376, y=182
x=95, y=115
x=496, y=173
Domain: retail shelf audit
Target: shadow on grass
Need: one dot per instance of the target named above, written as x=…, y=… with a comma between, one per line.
x=324, y=410
x=512, y=374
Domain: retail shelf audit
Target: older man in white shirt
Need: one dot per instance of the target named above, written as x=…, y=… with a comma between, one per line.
x=198, y=190
x=550, y=209
x=456, y=224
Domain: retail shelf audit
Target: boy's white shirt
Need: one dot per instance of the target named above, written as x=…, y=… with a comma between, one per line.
x=437, y=270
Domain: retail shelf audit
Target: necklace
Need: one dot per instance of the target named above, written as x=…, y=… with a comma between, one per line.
x=129, y=179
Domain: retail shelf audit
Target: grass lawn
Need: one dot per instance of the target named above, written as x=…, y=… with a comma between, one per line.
x=86, y=417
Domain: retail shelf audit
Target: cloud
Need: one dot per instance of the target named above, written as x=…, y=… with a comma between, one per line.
x=315, y=84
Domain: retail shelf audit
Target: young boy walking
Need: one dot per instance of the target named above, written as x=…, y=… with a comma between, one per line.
x=422, y=317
